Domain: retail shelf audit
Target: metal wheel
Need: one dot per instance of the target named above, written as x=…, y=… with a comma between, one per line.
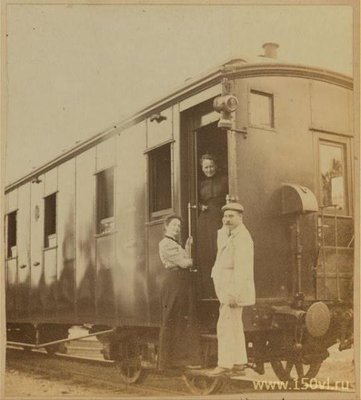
x=294, y=370
x=129, y=362
x=203, y=384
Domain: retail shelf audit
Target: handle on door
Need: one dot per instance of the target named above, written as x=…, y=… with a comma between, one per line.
x=36, y=263
x=192, y=269
x=23, y=266
x=190, y=218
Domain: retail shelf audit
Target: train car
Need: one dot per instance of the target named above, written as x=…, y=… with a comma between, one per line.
x=82, y=231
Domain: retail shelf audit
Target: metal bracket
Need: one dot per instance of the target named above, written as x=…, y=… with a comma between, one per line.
x=243, y=131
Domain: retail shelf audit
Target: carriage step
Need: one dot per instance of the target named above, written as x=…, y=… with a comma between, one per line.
x=85, y=348
x=85, y=353
x=85, y=344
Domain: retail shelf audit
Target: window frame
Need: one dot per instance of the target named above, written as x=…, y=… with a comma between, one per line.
x=8, y=248
x=272, y=97
x=345, y=143
x=54, y=234
x=111, y=219
x=158, y=214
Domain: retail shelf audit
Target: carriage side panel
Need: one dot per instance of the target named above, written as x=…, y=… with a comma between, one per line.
x=160, y=135
x=37, y=240
x=49, y=247
x=331, y=108
x=85, y=231
x=105, y=230
x=155, y=270
x=283, y=152
x=11, y=201
x=331, y=127
x=66, y=241
x=130, y=273
x=273, y=154
x=23, y=235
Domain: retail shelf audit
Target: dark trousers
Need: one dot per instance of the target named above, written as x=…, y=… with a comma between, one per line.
x=179, y=338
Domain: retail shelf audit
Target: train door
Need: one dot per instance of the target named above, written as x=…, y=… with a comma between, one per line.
x=204, y=190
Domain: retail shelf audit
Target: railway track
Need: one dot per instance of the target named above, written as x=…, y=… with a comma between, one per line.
x=97, y=373
x=102, y=373
x=93, y=373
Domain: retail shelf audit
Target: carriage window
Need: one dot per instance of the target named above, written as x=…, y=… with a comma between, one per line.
x=160, y=186
x=12, y=235
x=50, y=221
x=261, y=109
x=105, y=200
x=333, y=175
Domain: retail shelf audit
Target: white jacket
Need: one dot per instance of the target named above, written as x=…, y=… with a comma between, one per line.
x=232, y=272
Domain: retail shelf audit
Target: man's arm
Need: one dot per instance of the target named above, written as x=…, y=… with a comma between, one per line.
x=243, y=292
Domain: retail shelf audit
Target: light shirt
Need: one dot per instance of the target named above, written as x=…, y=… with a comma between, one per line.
x=172, y=254
x=232, y=272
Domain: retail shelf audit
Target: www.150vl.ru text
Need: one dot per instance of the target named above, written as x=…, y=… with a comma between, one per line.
x=303, y=384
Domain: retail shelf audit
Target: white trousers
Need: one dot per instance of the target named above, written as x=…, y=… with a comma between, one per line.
x=230, y=335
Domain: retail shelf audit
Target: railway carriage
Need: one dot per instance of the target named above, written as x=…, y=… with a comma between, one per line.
x=82, y=231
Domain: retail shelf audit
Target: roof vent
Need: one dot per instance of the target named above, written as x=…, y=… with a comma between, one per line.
x=270, y=50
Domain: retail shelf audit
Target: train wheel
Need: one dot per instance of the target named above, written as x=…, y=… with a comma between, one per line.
x=203, y=384
x=129, y=362
x=285, y=370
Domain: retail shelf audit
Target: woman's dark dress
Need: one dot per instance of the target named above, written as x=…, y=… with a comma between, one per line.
x=212, y=194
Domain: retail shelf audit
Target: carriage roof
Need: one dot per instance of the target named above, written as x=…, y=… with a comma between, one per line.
x=232, y=69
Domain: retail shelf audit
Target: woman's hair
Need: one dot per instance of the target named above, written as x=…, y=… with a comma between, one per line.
x=170, y=218
x=208, y=156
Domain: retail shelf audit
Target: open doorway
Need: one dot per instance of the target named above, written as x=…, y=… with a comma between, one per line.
x=210, y=151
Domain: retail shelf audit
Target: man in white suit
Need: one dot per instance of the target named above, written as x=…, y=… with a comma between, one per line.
x=233, y=280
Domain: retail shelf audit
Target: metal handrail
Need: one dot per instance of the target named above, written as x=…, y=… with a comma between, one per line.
x=335, y=207
x=336, y=253
x=37, y=346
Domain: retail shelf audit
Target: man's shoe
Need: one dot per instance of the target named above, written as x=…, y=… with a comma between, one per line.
x=259, y=368
x=239, y=369
x=219, y=371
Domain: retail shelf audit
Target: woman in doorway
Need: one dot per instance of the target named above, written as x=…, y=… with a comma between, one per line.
x=213, y=190
x=179, y=343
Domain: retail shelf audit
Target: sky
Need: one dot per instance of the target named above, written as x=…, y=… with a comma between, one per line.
x=75, y=70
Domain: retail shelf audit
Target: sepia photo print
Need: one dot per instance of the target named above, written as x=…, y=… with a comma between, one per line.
x=180, y=191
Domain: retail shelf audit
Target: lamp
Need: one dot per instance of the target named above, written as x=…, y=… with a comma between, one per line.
x=157, y=117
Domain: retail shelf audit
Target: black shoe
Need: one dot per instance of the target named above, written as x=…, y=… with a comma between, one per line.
x=239, y=369
x=259, y=368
